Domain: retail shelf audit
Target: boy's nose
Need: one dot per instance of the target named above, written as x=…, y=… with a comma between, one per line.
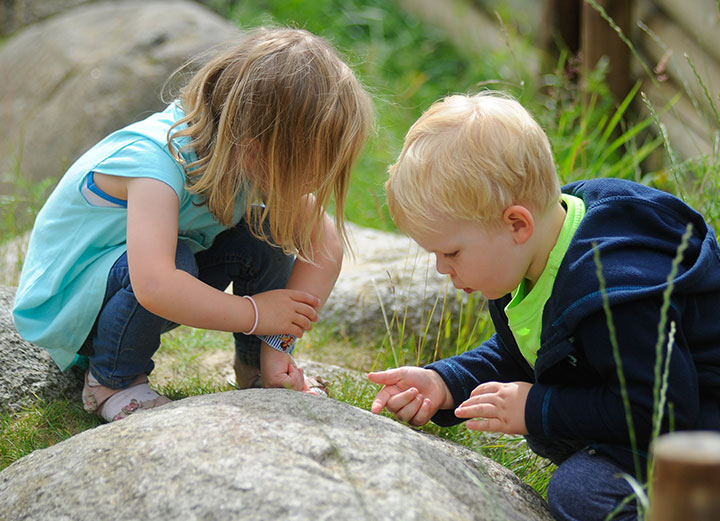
x=441, y=266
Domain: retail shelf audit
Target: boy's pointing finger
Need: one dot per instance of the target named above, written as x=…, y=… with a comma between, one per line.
x=389, y=377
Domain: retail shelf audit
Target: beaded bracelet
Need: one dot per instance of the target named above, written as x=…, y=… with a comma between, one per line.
x=257, y=315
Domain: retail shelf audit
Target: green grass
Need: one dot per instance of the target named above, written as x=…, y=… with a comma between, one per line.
x=18, y=209
x=39, y=426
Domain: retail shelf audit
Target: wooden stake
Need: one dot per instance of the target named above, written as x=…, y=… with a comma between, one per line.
x=686, y=477
x=598, y=39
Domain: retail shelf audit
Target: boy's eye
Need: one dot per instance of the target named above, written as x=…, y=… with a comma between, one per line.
x=451, y=255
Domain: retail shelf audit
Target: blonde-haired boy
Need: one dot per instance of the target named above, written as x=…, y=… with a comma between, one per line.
x=475, y=184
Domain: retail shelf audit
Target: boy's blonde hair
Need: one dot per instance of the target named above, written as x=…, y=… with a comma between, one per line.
x=279, y=115
x=470, y=158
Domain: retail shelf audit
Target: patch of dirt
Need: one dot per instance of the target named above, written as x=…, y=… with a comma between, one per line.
x=212, y=366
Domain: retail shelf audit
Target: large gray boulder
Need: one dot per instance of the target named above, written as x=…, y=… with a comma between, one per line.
x=15, y=14
x=261, y=455
x=390, y=284
x=26, y=371
x=70, y=80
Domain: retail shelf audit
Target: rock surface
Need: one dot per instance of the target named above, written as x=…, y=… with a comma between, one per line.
x=15, y=14
x=261, y=455
x=391, y=281
x=70, y=80
x=27, y=371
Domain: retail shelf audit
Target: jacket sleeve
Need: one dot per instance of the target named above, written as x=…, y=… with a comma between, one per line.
x=595, y=411
x=491, y=361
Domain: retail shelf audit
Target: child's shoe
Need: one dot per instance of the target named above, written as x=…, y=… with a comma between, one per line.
x=116, y=404
x=246, y=376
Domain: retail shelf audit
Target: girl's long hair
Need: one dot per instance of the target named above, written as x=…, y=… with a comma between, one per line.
x=278, y=115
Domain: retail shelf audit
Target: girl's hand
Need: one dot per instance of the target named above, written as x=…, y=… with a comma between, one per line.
x=279, y=370
x=284, y=311
x=497, y=407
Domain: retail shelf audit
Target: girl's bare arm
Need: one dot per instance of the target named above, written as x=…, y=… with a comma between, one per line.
x=178, y=296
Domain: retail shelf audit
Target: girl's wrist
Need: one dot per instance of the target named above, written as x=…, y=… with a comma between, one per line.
x=256, y=315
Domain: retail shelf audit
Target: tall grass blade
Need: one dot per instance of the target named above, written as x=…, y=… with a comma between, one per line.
x=666, y=142
x=661, y=372
x=616, y=357
x=388, y=329
x=700, y=81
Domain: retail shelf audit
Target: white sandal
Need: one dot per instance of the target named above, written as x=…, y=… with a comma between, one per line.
x=116, y=404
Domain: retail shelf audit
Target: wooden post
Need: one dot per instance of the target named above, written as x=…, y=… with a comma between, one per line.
x=686, y=477
x=582, y=29
x=599, y=39
x=560, y=27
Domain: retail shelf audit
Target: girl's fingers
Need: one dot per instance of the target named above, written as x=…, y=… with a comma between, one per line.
x=296, y=378
x=303, y=384
x=305, y=314
x=305, y=297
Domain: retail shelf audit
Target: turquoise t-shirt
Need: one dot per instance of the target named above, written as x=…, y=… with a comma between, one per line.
x=75, y=241
x=525, y=310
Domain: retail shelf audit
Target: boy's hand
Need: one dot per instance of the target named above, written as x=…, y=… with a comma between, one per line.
x=497, y=407
x=279, y=370
x=412, y=394
x=283, y=311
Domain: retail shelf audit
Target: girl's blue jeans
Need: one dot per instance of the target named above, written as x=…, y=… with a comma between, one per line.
x=126, y=336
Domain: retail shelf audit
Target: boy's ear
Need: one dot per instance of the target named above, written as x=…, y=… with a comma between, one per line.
x=521, y=222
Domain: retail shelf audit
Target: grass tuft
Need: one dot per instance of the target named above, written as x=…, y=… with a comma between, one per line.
x=39, y=426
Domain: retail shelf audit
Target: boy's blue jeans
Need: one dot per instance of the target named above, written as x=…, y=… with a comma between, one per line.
x=126, y=336
x=586, y=486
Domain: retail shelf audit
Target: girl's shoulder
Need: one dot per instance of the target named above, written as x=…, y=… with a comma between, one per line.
x=137, y=150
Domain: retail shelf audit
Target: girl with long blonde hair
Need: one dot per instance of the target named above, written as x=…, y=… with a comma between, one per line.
x=229, y=184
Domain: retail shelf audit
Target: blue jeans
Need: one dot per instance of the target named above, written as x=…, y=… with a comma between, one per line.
x=126, y=336
x=586, y=485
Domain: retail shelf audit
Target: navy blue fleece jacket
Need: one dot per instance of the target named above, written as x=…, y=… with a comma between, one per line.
x=576, y=393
